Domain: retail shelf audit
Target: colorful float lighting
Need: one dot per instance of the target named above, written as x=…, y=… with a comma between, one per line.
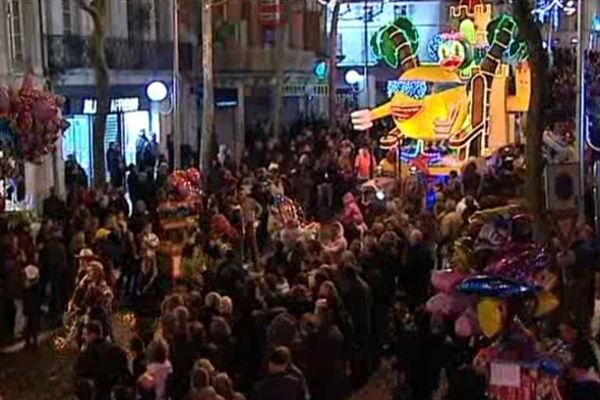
x=550, y=10
x=415, y=89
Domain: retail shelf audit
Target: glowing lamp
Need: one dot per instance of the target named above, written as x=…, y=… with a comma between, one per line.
x=157, y=91
x=353, y=77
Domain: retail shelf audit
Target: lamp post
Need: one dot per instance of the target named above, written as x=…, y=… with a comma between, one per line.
x=580, y=124
x=366, y=54
x=176, y=89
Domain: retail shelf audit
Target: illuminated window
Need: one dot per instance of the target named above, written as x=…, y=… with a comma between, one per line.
x=15, y=33
x=401, y=10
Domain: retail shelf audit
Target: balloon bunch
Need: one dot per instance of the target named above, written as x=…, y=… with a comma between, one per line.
x=515, y=277
x=498, y=283
x=31, y=122
x=185, y=184
x=184, y=194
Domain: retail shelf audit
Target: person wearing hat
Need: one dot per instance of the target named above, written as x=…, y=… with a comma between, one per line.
x=32, y=301
x=85, y=257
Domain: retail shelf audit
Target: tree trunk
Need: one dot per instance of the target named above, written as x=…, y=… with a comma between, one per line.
x=335, y=16
x=533, y=129
x=281, y=41
x=98, y=11
x=208, y=106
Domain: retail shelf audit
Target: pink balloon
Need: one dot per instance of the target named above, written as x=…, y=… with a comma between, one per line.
x=466, y=325
x=446, y=281
x=184, y=189
x=448, y=305
x=42, y=110
x=194, y=176
x=438, y=303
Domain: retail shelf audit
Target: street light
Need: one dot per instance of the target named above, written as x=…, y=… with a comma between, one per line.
x=353, y=77
x=157, y=91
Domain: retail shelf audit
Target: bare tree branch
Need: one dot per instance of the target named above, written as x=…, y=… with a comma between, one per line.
x=88, y=8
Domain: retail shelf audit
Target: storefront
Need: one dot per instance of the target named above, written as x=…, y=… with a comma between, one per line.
x=131, y=115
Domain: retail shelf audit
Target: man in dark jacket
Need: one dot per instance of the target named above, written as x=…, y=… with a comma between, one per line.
x=53, y=206
x=53, y=264
x=419, y=263
x=280, y=383
x=102, y=362
x=114, y=162
x=356, y=296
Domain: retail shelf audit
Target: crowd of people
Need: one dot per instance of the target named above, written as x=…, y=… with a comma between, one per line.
x=275, y=310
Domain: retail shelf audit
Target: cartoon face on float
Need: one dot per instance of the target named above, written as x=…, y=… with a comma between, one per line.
x=453, y=52
x=429, y=103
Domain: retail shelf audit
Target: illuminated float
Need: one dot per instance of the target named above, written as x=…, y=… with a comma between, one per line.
x=462, y=105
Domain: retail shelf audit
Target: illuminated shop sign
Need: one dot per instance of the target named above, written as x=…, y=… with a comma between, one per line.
x=123, y=104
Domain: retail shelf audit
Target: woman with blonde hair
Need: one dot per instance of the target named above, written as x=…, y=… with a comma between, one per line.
x=224, y=387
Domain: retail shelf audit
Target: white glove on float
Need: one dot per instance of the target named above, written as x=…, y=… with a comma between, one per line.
x=362, y=119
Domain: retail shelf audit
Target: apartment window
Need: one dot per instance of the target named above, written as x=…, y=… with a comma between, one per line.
x=401, y=10
x=15, y=33
x=139, y=15
x=66, y=14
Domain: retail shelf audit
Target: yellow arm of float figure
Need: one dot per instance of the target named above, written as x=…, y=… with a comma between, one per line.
x=384, y=110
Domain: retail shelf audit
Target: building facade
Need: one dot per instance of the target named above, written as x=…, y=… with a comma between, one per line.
x=52, y=38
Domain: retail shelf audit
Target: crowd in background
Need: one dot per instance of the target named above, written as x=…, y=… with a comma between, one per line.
x=275, y=313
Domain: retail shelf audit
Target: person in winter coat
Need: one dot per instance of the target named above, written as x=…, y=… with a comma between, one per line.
x=32, y=302
x=279, y=382
x=101, y=361
x=160, y=369
x=352, y=216
x=53, y=264
x=356, y=296
x=325, y=359
x=418, y=265
x=338, y=244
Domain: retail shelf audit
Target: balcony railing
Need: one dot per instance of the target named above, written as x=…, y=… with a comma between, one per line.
x=242, y=59
x=71, y=52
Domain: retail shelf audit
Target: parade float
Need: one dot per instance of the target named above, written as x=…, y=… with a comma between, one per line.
x=465, y=104
x=499, y=285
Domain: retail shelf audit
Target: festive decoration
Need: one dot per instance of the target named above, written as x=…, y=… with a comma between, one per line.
x=516, y=49
x=494, y=286
x=184, y=195
x=393, y=39
x=452, y=101
x=415, y=89
x=433, y=46
x=30, y=124
x=549, y=11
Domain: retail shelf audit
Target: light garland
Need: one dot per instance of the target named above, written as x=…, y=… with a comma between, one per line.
x=433, y=46
x=550, y=10
x=415, y=89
